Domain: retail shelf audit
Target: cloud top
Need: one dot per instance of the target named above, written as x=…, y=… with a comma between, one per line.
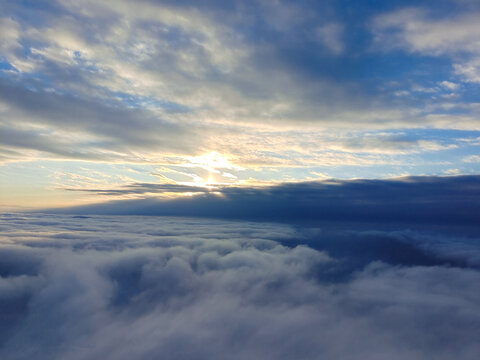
x=107, y=287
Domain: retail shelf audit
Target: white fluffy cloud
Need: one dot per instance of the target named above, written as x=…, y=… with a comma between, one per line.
x=148, y=287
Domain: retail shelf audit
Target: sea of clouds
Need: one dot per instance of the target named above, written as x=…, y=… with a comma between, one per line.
x=133, y=287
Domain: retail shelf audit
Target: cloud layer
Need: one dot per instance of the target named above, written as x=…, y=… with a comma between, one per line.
x=81, y=287
x=450, y=200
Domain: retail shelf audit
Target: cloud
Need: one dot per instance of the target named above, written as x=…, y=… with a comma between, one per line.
x=472, y=159
x=139, y=188
x=330, y=36
x=417, y=30
x=183, y=78
x=385, y=143
x=449, y=85
x=140, y=287
x=211, y=63
x=470, y=70
x=81, y=128
x=434, y=200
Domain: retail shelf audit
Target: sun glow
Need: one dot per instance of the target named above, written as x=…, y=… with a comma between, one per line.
x=215, y=164
x=212, y=161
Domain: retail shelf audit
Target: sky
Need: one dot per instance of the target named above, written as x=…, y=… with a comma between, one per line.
x=97, y=98
x=262, y=179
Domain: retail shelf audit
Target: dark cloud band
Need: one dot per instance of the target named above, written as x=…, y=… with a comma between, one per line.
x=434, y=200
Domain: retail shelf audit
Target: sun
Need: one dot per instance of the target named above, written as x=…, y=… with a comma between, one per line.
x=215, y=163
